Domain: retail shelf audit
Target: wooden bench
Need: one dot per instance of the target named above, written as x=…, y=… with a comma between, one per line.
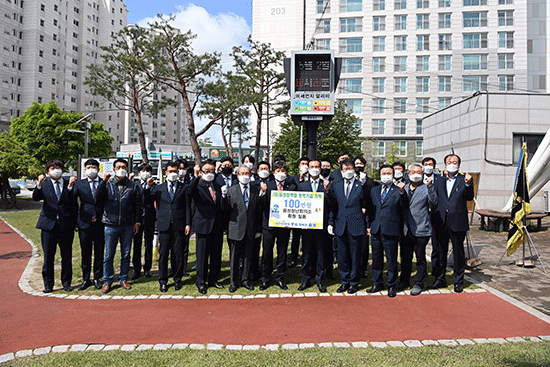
x=502, y=219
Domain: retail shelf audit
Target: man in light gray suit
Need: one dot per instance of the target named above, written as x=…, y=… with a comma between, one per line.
x=422, y=199
x=242, y=204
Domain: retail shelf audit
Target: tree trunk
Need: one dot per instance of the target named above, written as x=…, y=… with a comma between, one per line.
x=141, y=133
x=191, y=127
x=258, y=133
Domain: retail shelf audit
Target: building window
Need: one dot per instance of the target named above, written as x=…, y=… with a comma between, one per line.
x=400, y=4
x=474, y=2
x=351, y=45
x=379, y=5
x=399, y=127
x=351, y=5
x=322, y=44
x=422, y=21
x=444, y=102
x=422, y=4
x=41, y=38
x=378, y=64
x=353, y=105
x=351, y=25
x=474, y=83
x=445, y=20
x=477, y=19
x=474, y=62
x=378, y=24
x=351, y=86
x=40, y=53
x=506, y=39
x=422, y=105
x=400, y=63
x=505, y=17
x=444, y=83
x=400, y=105
x=505, y=2
x=39, y=84
x=402, y=148
x=42, y=22
x=378, y=106
x=444, y=62
x=444, y=42
x=323, y=26
x=532, y=140
x=400, y=22
x=400, y=43
x=505, y=82
x=419, y=148
x=423, y=42
x=505, y=61
x=378, y=127
x=378, y=85
x=379, y=148
x=422, y=84
x=444, y=3
x=422, y=63
x=400, y=85
x=378, y=44
x=40, y=68
x=419, y=128
x=474, y=40
x=323, y=6
x=352, y=66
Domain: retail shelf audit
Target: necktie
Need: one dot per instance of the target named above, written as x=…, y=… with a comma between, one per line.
x=245, y=196
x=280, y=187
x=94, y=188
x=384, y=192
x=314, y=185
x=348, y=188
x=58, y=189
x=212, y=193
x=227, y=182
x=171, y=192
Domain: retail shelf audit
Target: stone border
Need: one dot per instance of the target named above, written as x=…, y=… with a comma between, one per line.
x=4, y=358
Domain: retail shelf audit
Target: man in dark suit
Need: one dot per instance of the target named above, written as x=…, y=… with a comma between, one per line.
x=57, y=222
x=316, y=243
x=297, y=233
x=454, y=191
x=207, y=225
x=242, y=203
x=184, y=177
x=226, y=177
x=399, y=173
x=282, y=235
x=90, y=228
x=173, y=221
x=347, y=223
x=336, y=175
x=385, y=227
x=147, y=228
x=264, y=175
x=326, y=169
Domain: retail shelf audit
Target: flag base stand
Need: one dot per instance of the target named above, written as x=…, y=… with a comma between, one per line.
x=527, y=262
x=472, y=259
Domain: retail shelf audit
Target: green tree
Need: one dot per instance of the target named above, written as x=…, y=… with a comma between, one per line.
x=42, y=131
x=340, y=134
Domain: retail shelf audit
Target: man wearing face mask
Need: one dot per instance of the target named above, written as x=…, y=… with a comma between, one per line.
x=264, y=175
x=453, y=191
x=184, y=178
x=226, y=176
x=90, y=228
x=56, y=222
x=326, y=169
x=122, y=217
x=347, y=223
x=422, y=199
x=399, y=173
x=147, y=228
x=270, y=234
x=173, y=222
x=428, y=168
x=297, y=233
x=336, y=175
x=249, y=161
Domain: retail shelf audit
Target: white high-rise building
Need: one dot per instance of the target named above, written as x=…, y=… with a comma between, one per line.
x=404, y=59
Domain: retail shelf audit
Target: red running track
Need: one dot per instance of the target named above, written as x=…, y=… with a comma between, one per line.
x=30, y=322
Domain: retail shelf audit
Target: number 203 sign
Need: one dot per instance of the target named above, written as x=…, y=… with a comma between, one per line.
x=296, y=209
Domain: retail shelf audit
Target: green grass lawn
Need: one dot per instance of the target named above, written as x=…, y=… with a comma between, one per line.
x=25, y=221
x=528, y=354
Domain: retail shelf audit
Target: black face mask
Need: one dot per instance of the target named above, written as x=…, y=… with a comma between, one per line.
x=325, y=172
x=359, y=169
x=227, y=170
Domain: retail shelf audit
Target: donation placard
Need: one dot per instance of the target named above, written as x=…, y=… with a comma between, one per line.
x=296, y=209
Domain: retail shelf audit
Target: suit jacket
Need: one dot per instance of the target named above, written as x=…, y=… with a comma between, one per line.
x=336, y=175
x=306, y=186
x=452, y=209
x=176, y=211
x=63, y=210
x=242, y=220
x=220, y=180
x=386, y=216
x=149, y=210
x=347, y=212
x=90, y=207
x=207, y=215
x=288, y=185
x=297, y=181
x=421, y=201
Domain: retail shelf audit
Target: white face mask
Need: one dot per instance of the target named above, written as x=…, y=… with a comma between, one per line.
x=263, y=174
x=386, y=179
x=428, y=170
x=145, y=175
x=303, y=169
x=121, y=173
x=280, y=176
x=249, y=165
x=56, y=173
x=244, y=179
x=91, y=173
x=208, y=177
x=172, y=176
x=349, y=174
x=452, y=168
x=314, y=172
x=397, y=174
x=182, y=172
x=415, y=177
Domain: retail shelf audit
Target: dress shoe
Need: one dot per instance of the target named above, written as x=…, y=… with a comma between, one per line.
x=126, y=285
x=303, y=286
x=322, y=288
x=401, y=287
x=292, y=264
x=85, y=285
x=232, y=288
x=282, y=285
x=375, y=288
x=353, y=289
x=438, y=284
x=391, y=292
x=67, y=288
x=136, y=276
x=330, y=275
x=163, y=288
x=416, y=290
x=248, y=286
x=98, y=284
x=459, y=288
x=106, y=288
x=202, y=289
x=48, y=290
x=216, y=285
x=178, y=286
x=343, y=288
x=264, y=286
x=147, y=274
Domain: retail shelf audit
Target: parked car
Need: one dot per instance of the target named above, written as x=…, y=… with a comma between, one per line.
x=15, y=187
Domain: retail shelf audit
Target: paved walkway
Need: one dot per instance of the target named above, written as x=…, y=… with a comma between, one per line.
x=29, y=322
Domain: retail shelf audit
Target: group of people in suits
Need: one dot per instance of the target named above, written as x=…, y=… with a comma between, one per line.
x=401, y=214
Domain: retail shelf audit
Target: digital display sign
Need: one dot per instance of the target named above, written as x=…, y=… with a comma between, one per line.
x=312, y=73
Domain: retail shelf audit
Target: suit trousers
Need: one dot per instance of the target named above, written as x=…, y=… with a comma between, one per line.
x=349, y=258
x=62, y=237
x=255, y=269
x=170, y=245
x=384, y=244
x=240, y=250
x=209, y=247
x=365, y=253
x=313, y=255
x=146, y=230
x=459, y=259
x=184, y=256
x=417, y=245
x=92, y=239
x=270, y=235
x=297, y=235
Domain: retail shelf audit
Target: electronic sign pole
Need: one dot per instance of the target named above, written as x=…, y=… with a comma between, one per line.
x=312, y=77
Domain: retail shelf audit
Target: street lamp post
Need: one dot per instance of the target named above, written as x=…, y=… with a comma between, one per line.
x=87, y=126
